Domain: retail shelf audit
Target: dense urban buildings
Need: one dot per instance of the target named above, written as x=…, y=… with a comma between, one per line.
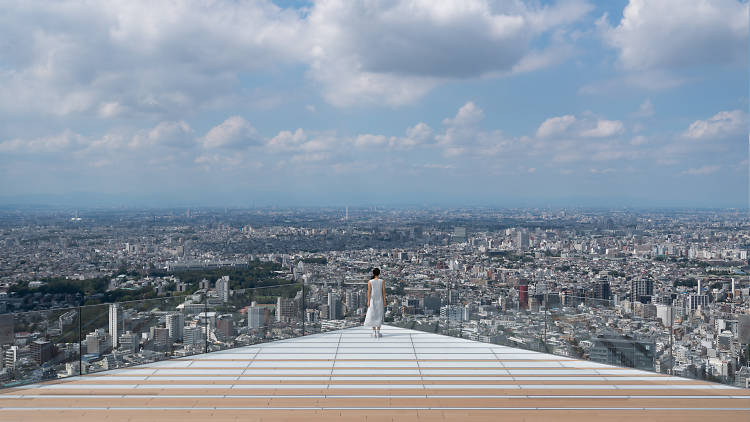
x=666, y=291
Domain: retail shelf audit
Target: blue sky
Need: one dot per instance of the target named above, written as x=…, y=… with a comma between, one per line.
x=635, y=103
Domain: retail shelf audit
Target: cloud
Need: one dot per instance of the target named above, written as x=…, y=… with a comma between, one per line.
x=584, y=147
x=460, y=130
x=571, y=127
x=367, y=140
x=234, y=132
x=701, y=171
x=720, y=126
x=468, y=114
x=646, y=109
x=395, y=52
x=111, y=109
x=555, y=126
x=287, y=140
x=604, y=129
x=113, y=60
x=44, y=145
x=669, y=34
x=419, y=133
x=173, y=134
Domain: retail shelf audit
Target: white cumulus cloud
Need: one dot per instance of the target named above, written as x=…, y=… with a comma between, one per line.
x=604, y=129
x=555, y=126
x=394, y=52
x=666, y=34
x=234, y=132
x=721, y=125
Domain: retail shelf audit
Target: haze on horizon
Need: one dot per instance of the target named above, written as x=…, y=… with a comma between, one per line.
x=636, y=103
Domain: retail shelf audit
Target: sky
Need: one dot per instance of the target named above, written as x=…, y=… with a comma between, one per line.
x=617, y=103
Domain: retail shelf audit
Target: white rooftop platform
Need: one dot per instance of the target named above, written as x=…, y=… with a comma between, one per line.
x=348, y=375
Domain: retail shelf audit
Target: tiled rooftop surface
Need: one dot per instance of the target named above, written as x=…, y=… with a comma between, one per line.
x=347, y=375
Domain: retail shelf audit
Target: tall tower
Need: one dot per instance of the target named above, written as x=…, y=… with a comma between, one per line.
x=347, y=214
x=523, y=295
x=175, y=325
x=115, y=323
x=222, y=288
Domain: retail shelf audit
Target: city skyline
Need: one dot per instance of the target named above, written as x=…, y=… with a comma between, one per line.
x=664, y=292
x=522, y=103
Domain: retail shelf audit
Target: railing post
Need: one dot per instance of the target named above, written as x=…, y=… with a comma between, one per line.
x=546, y=311
x=205, y=319
x=303, y=307
x=80, y=340
x=671, y=340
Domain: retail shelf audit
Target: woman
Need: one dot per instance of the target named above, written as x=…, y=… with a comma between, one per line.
x=375, y=303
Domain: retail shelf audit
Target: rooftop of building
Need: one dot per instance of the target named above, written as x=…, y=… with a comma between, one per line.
x=347, y=375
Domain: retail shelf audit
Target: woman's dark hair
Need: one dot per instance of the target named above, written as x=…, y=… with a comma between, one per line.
x=375, y=272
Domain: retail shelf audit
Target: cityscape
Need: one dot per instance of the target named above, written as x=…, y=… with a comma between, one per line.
x=374, y=210
x=84, y=291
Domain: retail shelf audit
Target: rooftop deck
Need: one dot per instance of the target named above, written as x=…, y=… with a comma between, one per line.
x=347, y=375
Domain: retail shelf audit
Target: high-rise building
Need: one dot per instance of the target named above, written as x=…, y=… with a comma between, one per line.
x=99, y=342
x=11, y=356
x=286, y=309
x=455, y=312
x=256, y=316
x=453, y=297
x=175, y=324
x=641, y=290
x=193, y=336
x=6, y=329
x=459, y=234
x=431, y=303
x=523, y=295
x=160, y=338
x=352, y=301
x=622, y=351
x=334, y=306
x=129, y=342
x=665, y=314
x=42, y=351
x=222, y=288
x=602, y=290
x=224, y=326
x=115, y=323
x=522, y=240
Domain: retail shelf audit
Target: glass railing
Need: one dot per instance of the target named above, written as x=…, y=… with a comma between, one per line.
x=651, y=337
x=53, y=344
x=39, y=345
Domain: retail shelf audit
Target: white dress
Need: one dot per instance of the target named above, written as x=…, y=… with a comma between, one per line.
x=376, y=307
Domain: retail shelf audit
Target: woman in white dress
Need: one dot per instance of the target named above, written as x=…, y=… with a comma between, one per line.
x=375, y=303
